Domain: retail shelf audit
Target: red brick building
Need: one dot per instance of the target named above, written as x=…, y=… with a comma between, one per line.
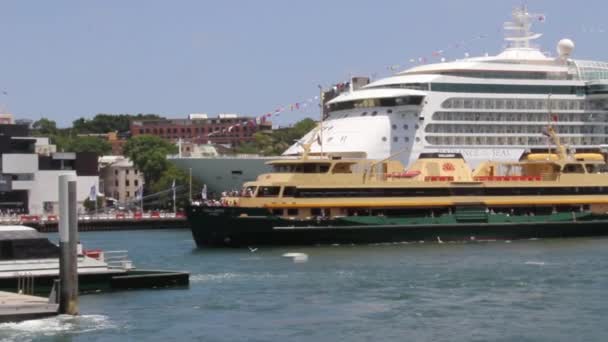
x=227, y=129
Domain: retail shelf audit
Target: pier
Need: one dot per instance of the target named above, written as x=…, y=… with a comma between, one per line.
x=103, y=222
x=16, y=307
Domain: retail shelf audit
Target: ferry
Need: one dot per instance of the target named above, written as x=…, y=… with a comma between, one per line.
x=489, y=107
x=329, y=200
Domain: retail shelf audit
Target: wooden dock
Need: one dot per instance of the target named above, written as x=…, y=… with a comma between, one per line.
x=19, y=307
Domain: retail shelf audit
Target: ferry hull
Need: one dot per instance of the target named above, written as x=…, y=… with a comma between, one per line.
x=225, y=227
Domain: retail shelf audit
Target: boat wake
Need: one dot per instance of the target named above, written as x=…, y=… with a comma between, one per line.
x=537, y=263
x=55, y=326
x=227, y=277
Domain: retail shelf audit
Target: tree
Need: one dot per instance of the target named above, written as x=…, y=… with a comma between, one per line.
x=277, y=141
x=89, y=204
x=83, y=144
x=149, y=155
x=45, y=126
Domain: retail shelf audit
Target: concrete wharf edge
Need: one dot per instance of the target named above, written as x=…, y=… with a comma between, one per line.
x=16, y=307
x=115, y=225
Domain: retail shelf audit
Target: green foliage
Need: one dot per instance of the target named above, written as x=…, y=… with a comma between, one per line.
x=44, y=126
x=82, y=144
x=104, y=123
x=277, y=141
x=148, y=154
x=89, y=205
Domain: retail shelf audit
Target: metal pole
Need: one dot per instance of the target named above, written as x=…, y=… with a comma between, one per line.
x=68, y=240
x=174, y=206
x=322, y=118
x=190, y=180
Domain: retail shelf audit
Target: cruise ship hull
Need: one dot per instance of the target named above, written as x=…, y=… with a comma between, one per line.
x=228, y=227
x=223, y=173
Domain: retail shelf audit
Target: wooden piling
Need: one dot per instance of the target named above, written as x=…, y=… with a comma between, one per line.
x=68, y=240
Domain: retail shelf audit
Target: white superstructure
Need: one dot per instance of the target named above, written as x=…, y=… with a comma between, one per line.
x=485, y=108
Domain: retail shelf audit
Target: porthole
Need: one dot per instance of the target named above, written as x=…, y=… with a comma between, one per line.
x=389, y=111
x=394, y=126
x=383, y=138
x=374, y=113
x=405, y=126
x=364, y=114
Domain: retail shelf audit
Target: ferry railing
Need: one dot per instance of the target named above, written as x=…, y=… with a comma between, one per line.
x=118, y=259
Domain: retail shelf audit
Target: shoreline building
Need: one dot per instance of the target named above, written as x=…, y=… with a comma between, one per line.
x=119, y=178
x=30, y=168
x=225, y=129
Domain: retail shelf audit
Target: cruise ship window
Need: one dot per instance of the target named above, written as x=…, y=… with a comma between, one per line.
x=395, y=139
x=383, y=138
x=394, y=126
x=405, y=126
x=406, y=139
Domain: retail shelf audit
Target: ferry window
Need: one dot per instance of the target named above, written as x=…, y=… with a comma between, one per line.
x=315, y=211
x=292, y=212
x=269, y=191
x=596, y=168
x=374, y=113
x=315, y=168
x=289, y=191
x=389, y=111
x=277, y=212
x=342, y=168
x=364, y=114
x=248, y=191
x=573, y=168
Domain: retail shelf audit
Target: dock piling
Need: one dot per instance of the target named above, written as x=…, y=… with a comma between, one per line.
x=68, y=240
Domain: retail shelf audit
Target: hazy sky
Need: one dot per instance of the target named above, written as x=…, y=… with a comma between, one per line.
x=67, y=59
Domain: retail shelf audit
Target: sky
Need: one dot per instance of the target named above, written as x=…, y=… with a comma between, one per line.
x=69, y=59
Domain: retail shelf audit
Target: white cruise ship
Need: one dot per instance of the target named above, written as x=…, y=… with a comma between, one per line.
x=487, y=108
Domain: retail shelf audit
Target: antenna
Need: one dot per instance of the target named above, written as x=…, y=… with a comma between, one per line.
x=517, y=32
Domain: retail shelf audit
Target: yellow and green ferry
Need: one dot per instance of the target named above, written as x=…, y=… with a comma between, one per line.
x=325, y=200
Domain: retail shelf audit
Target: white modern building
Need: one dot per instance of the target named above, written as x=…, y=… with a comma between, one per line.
x=30, y=170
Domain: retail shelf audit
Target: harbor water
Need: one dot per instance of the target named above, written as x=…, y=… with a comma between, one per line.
x=534, y=290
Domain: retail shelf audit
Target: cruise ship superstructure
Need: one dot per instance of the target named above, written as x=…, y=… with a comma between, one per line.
x=486, y=108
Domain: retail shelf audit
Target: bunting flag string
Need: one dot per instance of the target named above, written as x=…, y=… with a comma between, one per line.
x=257, y=120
